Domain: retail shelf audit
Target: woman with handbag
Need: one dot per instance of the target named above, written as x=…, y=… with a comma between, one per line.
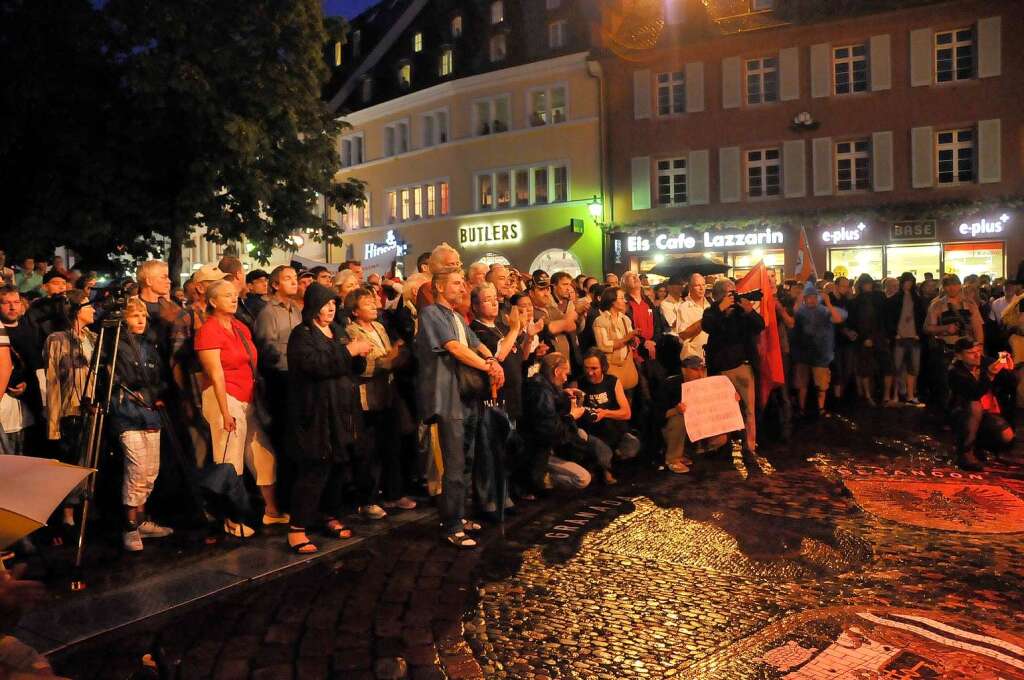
x=614, y=335
x=379, y=449
x=324, y=415
x=228, y=357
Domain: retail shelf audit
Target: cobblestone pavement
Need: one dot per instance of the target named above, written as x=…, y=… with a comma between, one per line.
x=870, y=557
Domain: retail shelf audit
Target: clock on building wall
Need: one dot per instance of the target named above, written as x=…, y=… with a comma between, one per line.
x=557, y=260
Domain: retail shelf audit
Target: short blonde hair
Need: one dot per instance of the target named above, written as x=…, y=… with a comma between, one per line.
x=343, y=276
x=146, y=269
x=135, y=304
x=215, y=288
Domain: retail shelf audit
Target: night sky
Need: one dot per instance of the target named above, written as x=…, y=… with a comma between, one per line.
x=346, y=8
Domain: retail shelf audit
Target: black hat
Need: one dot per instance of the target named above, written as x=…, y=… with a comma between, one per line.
x=53, y=274
x=964, y=344
x=256, y=274
x=540, y=279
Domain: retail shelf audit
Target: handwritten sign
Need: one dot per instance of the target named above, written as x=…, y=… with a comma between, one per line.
x=711, y=407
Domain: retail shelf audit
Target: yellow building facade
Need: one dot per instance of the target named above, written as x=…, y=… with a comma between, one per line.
x=503, y=166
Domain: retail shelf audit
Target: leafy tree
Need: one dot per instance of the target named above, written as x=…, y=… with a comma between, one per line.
x=156, y=117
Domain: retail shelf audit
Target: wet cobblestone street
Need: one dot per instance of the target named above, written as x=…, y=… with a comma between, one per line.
x=870, y=559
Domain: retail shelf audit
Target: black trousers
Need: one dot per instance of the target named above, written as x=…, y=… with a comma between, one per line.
x=379, y=461
x=976, y=427
x=317, y=490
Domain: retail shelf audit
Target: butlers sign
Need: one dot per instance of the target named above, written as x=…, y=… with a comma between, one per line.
x=707, y=240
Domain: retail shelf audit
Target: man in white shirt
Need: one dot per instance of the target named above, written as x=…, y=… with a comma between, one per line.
x=669, y=307
x=689, y=313
x=1010, y=290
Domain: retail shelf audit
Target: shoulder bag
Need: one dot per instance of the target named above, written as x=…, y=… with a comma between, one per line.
x=259, y=397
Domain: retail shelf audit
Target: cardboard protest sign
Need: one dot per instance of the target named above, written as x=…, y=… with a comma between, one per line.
x=711, y=407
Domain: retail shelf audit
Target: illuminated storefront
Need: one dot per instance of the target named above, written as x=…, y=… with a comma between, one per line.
x=976, y=245
x=739, y=248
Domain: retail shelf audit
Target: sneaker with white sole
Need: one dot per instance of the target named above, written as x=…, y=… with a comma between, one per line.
x=151, y=529
x=373, y=512
x=132, y=540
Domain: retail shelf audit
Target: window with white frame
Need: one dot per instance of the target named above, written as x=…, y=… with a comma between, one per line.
x=491, y=116
x=671, y=93
x=447, y=62
x=417, y=41
x=553, y=4
x=546, y=105
x=456, y=26
x=356, y=217
x=954, y=55
x=352, y=150
x=435, y=128
x=853, y=165
x=671, y=181
x=556, y=34
x=497, y=47
x=497, y=12
x=954, y=156
x=405, y=75
x=762, y=80
x=418, y=201
x=515, y=187
x=367, y=89
x=850, y=68
x=764, y=173
x=396, y=138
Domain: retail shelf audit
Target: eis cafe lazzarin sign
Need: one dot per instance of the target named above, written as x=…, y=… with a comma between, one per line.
x=707, y=240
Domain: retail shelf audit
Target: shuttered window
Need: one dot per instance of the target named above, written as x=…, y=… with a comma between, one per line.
x=763, y=173
x=954, y=55
x=954, y=156
x=762, y=80
x=672, y=181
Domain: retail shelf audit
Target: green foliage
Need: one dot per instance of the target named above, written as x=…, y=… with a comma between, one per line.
x=200, y=112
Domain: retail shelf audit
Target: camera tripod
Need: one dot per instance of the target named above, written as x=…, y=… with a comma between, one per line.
x=93, y=432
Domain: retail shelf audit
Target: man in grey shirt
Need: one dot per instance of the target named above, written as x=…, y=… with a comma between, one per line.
x=271, y=330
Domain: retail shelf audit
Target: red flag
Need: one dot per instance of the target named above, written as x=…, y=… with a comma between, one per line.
x=771, y=374
x=805, y=269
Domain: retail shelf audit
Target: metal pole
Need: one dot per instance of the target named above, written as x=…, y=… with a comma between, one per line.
x=97, y=413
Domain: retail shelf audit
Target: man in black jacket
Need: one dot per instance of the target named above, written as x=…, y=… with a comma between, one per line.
x=976, y=382
x=732, y=326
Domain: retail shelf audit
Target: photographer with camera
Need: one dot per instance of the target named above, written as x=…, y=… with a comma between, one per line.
x=979, y=414
x=950, y=318
x=607, y=410
x=732, y=326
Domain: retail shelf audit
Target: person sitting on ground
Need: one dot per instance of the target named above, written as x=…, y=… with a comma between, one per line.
x=978, y=416
x=550, y=429
x=608, y=410
x=670, y=404
x=813, y=347
x=135, y=418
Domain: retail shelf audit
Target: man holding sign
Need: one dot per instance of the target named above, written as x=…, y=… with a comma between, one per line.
x=702, y=418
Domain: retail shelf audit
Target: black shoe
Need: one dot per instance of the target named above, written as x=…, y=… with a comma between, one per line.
x=969, y=462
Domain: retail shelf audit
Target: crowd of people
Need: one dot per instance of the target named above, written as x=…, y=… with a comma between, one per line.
x=328, y=392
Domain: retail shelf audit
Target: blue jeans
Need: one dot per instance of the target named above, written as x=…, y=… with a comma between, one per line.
x=458, y=444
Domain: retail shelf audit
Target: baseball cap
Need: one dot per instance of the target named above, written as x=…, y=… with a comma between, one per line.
x=540, y=279
x=208, y=273
x=964, y=344
x=256, y=274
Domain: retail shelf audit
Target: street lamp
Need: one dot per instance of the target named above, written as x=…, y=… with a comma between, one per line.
x=595, y=208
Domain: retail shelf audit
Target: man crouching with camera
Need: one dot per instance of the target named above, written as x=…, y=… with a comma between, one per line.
x=732, y=326
x=983, y=390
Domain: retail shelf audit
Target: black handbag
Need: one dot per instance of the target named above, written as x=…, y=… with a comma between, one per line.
x=473, y=384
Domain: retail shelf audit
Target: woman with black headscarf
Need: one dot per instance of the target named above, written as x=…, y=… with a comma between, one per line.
x=874, y=355
x=324, y=413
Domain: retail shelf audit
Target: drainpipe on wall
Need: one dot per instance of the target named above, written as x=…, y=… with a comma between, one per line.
x=607, y=202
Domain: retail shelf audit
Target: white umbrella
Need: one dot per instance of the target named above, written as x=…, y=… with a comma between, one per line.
x=30, y=489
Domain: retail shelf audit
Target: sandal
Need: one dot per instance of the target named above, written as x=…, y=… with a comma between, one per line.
x=237, y=529
x=678, y=467
x=461, y=540
x=301, y=548
x=335, y=529
x=470, y=525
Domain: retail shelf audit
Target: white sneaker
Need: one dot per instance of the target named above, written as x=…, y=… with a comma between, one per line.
x=373, y=512
x=151, y=529
x=132, y=541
